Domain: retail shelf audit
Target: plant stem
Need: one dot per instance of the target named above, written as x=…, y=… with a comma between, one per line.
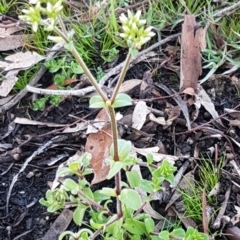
x=116, y=157
x=82, y=64
x=121, y=77
x=114, y=132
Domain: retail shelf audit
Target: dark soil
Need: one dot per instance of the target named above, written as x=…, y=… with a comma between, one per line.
x=25, y=216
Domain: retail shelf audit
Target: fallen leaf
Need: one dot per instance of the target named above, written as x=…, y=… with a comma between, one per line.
x=98, y=145
x=157, y=157
x=191, y=62
x=202, y=99
x=233, y=113
x=8, y=83
x=12, y=65
x=14, y=41
x=78, y=127
x=27, y=121
x=59, y=225
x=129, y=85
x=160, y=120
x=20, y=61
x=10, y=42
x=139, y=115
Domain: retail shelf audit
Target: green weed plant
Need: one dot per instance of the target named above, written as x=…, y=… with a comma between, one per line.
x=113, y=213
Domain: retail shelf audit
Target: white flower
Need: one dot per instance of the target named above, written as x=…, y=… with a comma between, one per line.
x=133, y=30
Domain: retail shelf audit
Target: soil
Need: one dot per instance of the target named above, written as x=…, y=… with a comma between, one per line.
x=26, y=219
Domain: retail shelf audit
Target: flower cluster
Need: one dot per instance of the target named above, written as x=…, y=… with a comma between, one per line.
x=133, y=30
x=33, y=15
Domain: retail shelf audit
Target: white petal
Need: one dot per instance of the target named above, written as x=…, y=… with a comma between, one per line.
x=49, y=7
x=151, y=34
x=123, y=18
x=55, y=39
x=148, y=29
x=35, y=26
x=142, y=22
x=137, y=15
x=130, y=15
x=123, y=35
x=125, y=29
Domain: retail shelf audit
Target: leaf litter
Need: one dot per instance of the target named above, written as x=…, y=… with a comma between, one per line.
x=99, y=137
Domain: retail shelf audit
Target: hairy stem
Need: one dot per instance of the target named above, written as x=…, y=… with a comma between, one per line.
x=82, y=64
x=121, y=77
x=116, y=157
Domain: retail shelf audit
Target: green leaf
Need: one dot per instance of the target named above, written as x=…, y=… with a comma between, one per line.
x=69, y=184
x=124, y=148
x=69, y=46
x=117, y=166
x=134, y=226
x=115, y=228
x=133, y=178
x=108, y=191
x=194, y=234
x=99, y=197
x=164, y=235
x=78, y=214
x=146, y=185
x=127, y=194
x=179, y=232
x=77, y=69
x=122, y=100
x=134, y=52
x=62, y=235
x=149, y=159
x=97, y=102
x=88, y=192
x=149, y=224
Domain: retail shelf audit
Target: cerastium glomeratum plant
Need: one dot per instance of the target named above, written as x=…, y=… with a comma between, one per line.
x=113, y=213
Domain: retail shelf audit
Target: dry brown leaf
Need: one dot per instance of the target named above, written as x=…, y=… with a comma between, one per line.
x=20, y=61
x=202, y=99
x=129, y=85
x=13, y=64
x=157, y=157
x=234, y=123
x=233, y=113
x=9, y=42
x=191, y=63
x=98, y=144
x=26, y=121
x=14, y=41
x=139, y=115
x=161, y=120
x=78, y=127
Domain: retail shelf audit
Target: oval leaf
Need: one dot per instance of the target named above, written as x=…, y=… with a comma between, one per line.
x=130, y=198
x=133, y=178
x=117, y=166
x=122, y=100
x=108, y=191
x=79, y=214
x=96, y=102
x=124, y=148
